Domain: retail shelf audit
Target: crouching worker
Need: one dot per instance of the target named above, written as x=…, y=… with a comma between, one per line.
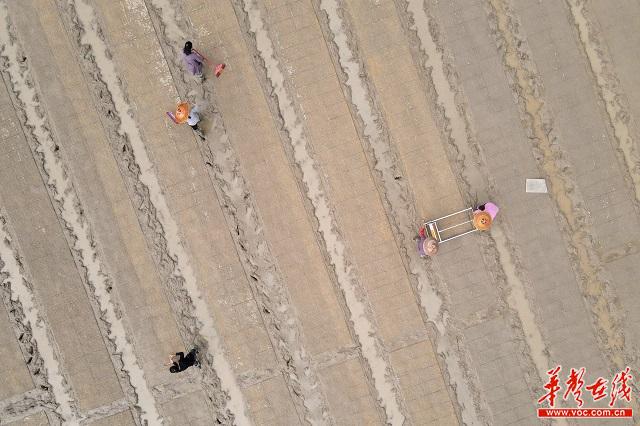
x=484, y=215
x=179, y=362
x=191, y=116
x=192, y=120
x=427, y=246
x=192, y=60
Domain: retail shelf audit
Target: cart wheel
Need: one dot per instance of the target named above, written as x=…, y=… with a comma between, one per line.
x=430, y=247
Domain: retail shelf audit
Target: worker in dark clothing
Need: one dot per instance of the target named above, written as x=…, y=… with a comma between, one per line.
x=179, y=362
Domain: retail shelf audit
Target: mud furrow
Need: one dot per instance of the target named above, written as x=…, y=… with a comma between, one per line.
x=154, y=216
x=64, y=196
x=25, y=404
x=103, y=411
x=177, y=388
x=423, y=25
x=595, y=287
x=607, y=83
x=275, y=305
x=360, y=316
x=397, y=196
x=254, y=377
x=32, y=332
x=170, y=20
x=499, y=252
x=517, y=300
x=464, y=381
x=266, y=281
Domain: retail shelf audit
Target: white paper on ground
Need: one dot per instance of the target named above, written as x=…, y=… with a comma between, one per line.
x=536, y=186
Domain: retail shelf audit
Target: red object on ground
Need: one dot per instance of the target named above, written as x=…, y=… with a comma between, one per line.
x=219, y=69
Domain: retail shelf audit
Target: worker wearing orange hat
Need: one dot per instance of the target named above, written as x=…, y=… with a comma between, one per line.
x=185, y=114
x=182, y=113
x=484, y=215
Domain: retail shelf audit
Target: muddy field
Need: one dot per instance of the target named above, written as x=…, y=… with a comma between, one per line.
x=283, y=245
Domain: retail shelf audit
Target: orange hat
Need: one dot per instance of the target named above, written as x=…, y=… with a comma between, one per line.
x=430, y=246
x=482, y=220
x=182, y=112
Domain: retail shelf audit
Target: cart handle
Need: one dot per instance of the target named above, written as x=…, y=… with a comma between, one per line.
x=453, y=226
x=452, y=214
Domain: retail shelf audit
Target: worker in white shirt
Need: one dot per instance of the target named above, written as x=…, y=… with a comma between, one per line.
x=193, y=119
